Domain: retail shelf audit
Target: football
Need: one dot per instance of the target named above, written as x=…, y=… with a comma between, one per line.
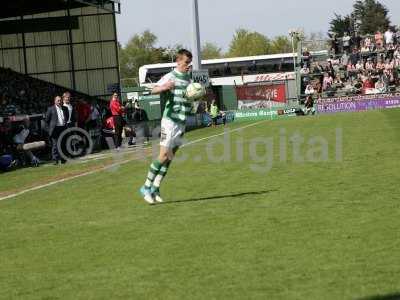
x=195, y=91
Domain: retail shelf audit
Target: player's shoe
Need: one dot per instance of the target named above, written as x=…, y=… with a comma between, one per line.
x=147, y=195
x=156, y=195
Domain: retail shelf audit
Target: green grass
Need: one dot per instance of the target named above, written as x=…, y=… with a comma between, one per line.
x=303, y=230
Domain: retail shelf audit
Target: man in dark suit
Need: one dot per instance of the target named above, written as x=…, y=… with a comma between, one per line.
x=57, y=117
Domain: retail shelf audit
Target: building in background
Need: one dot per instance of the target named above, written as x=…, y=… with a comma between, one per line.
x=70, y=43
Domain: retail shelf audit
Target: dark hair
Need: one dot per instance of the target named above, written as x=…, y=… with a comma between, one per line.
x=184, y=52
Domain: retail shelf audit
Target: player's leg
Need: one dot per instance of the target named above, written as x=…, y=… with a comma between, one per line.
x=168, y=155
x=162, y=174
x=155, y=167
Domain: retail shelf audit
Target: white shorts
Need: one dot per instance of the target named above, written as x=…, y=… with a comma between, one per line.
x=171, y=134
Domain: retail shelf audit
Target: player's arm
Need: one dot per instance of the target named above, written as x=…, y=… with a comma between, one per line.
x=165, y=84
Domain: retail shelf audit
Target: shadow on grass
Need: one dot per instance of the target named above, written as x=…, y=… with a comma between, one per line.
x=383, y=297
x=220, y=197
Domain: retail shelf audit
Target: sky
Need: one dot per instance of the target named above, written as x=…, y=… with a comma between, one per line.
x=170, y=20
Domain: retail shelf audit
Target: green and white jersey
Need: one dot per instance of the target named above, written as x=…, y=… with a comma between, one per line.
x=177, y=107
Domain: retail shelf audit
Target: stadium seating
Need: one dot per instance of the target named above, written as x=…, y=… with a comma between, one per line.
x=22, y=94
x=369, y=68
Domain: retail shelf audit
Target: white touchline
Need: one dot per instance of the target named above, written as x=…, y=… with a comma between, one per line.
x=39, y=187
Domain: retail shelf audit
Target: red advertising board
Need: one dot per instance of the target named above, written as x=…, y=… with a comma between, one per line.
x=274, y=92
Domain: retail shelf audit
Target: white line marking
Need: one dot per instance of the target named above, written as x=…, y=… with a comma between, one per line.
x=39, y=187
x=220, y=134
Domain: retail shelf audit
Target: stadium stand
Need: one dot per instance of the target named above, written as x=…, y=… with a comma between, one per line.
x=48, y=47
x=359, y=66
x=24, y=95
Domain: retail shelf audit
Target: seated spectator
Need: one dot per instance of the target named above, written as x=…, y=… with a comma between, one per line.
x=334, y=61
x=310, y=89
x=367, y=85
x=359, y=66
x=379, y=40
x=365, y=49
x=351, y=67
x=396, y=53
x=368, y=44
x=317, y=68
x=380, y=87
x=309, y=105
x=305, y=70
x=337, y=82
x=389, y=65
x=345, y=59
x=20, y=141
x=327, y=82
x=396, y=63
x=380, y=66
x=109, y=125
x=388, y=77
x=354, y=57
x=369, y=65
x=357, y=85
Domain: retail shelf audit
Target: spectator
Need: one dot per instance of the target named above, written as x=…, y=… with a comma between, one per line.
x=356, y=40
x=397, y=35
x=354, y=57
x=369, y=65
x=365, y=48
x=309, y=105
x=83, y=112
x=380, y=86
x=346, y=42
x=214, y=112
x=389, y=37
x=56, y=120
x=359, y=66
x=389, y=65
x=337, y=82
x=368, y=84
x=317, y=68
x=310, y=90
x=94, y=120
x=305, y=70
x=140, y=121
x=117, y=111
x=334, y=44
x=71, y=122
x=380, y=66
x=19, y=140
x=327, y=82
x=368, y=43
x=306, y=57
x=379, y=40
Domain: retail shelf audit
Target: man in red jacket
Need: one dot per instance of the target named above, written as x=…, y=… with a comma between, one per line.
x=117, y=111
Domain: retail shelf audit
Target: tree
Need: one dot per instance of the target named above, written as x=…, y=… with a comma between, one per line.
x=139, y=51
x=211, y=51
x=368, y=16
x=371, y=15
x=281, y=44
x=247, y=43
x=340, y=25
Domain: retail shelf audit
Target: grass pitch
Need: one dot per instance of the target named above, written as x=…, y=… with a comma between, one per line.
x=318, y=221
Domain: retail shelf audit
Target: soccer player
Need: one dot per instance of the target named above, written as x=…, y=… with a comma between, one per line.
x=177, y=109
